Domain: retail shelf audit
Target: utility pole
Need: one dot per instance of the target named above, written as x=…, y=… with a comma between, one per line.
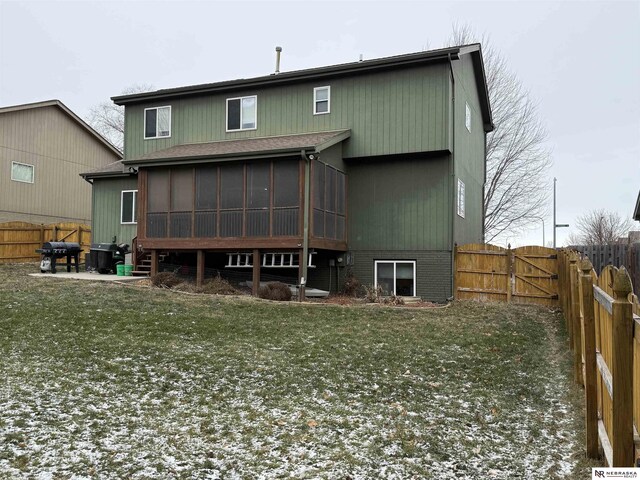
x=555, y=225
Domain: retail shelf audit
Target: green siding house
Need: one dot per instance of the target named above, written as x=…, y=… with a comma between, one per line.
x=375, y=167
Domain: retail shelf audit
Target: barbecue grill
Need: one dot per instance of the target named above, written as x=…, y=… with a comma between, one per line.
x=52, y=251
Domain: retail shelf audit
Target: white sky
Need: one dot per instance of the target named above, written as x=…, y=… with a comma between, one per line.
x=579, y=60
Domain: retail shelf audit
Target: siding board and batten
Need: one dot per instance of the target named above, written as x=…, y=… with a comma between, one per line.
x=46, y=136
x=289, y=111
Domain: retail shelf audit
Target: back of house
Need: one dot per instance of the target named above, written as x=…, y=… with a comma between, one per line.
x=374, y=168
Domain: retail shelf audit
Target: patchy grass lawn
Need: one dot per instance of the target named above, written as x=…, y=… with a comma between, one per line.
x=111, y=381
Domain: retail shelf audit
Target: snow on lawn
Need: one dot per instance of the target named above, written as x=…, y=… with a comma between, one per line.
x=318, y=393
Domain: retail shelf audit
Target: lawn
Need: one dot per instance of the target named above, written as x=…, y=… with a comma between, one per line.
x=112, y=381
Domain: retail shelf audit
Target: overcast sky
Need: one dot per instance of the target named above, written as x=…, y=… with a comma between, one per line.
x=579, y=60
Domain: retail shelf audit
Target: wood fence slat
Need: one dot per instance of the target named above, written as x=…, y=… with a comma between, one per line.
x=605, y=373
x=604, y=441
x=19, y=240
x=603, y=298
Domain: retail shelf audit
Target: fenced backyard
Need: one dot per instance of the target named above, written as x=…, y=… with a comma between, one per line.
x=19, y=240
x=114, y=381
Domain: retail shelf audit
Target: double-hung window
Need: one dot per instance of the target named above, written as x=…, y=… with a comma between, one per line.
x=22, y=172
x=128, y=207
x=396, y=277
x=242, y=113
x=321, y=100
x=157, y=122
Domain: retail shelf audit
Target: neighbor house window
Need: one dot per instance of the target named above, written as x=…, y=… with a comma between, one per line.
x=396, y=277
x=128, y=204
x=321, y=100
x=242, y=113
x=461, y=198
x=157, y=122
x=22, y=172
x=467, y=116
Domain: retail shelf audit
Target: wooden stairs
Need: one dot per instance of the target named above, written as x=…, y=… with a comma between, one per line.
x=142, y=267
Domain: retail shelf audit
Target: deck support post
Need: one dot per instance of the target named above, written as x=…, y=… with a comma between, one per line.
x=200, y=269
x=154, y=262
x=256, y=273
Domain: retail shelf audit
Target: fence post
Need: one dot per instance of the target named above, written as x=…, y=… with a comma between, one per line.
x=575, y=319
x=509, y=272
x=590, y=368
x=622, y=371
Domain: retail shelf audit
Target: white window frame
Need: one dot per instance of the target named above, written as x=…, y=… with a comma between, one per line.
x=134, y=206
x=461, y=198
x=144, y=122
x=33, y=172
x=315, y=100
x=467, y=116
x=395, y=262
x=226, y=118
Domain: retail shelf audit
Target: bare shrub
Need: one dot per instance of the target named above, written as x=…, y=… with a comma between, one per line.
x=373, y=294
x=376, y=295
x=218, y=286
x=351, y=284
x=275, y=291
x=166, y=279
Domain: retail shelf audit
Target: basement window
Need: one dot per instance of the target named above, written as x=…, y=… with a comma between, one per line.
x=321, y=100
x=157, y=122
x=22, y=172
x=242, y=113
x=396, y=277
x=128, y=203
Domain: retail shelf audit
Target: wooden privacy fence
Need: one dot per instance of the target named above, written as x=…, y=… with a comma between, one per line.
x=19, y=240
x=521, y=275
x=601, y=314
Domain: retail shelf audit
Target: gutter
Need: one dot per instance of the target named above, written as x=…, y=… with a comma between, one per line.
x=304, y=261
x=454, y=196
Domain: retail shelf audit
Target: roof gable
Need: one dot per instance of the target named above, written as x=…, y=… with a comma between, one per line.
x=58, y=104
x=332, y=71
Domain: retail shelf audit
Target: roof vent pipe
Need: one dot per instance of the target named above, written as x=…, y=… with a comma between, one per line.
x=278, y=50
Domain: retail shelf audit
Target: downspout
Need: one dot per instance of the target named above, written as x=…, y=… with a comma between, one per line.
x=454, y=196
x=305, y=232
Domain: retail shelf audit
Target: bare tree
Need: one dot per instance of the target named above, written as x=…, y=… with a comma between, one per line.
x=600, y=227
x=517, y=186
x=107, y=118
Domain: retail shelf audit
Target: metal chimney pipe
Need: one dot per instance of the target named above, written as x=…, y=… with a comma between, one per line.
x=278, y=50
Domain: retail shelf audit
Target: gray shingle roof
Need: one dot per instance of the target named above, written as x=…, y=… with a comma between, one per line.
x=110, y=169
x=245, y=147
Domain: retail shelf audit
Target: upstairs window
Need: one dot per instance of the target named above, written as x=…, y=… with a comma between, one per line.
x=467, y=117
x=128, y=214
x=157, y=122
x=460, y=198
x=321, y=100
x=22, y=172
x=242, y=113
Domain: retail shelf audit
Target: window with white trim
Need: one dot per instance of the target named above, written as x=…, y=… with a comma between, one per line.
x=460, y=201
x=242, y=113
x=157, y=122
x=22, y=172
x=128, y=207
x=321, y=100
x=396, y=277
x=467, y=116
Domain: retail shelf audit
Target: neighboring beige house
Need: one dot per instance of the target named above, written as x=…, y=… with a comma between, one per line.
x=44, y=147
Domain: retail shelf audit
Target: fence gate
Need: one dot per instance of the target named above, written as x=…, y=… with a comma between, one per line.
x=491, y=273
x=535, y=276
x=482, y=273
